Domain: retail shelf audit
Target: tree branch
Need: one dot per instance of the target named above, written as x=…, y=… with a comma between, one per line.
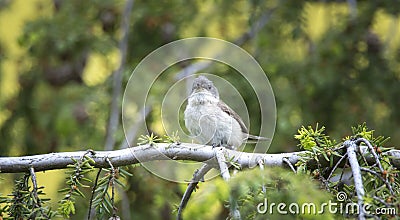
x=37, y=200
x=371, y=149
x=289, y=164
x=336, y=165
x=261, y=165
x=380, y=177
x=134, y=155
x=117, y=79
x=34, y=186
x=223, y=167
x=145, y=153
x=197, y=176
x=220, y=156
x=246, y=36
x=90, y=209
x=355, y=169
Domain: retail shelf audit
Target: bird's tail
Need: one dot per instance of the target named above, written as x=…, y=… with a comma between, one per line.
x=254, y=139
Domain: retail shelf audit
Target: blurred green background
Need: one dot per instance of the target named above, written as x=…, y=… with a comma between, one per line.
x=329, y=62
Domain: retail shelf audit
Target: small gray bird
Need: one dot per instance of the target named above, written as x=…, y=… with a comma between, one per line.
x=213, y=122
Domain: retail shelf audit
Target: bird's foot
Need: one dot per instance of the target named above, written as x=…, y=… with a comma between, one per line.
x=230, y=147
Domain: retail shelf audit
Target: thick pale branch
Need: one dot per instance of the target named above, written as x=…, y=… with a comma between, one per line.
x=144, y=153
x=134, y=155
x=356, y=170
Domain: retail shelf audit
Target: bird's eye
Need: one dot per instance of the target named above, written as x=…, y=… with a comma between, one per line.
x=209, y=87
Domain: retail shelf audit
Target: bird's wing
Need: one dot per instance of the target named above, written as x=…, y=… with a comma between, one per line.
x=250, y=138
x=225, y=108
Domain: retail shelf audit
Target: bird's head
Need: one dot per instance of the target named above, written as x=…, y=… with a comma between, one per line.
x=203, y=85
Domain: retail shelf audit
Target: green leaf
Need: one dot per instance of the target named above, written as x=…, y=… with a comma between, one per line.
x=325, y=156
x=78, y=192
x=120, y=183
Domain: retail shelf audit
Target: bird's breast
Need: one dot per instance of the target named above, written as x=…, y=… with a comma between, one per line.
x=210, y=125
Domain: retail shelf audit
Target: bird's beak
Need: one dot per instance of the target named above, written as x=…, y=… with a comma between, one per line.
x=201, y=91
x=196, y=90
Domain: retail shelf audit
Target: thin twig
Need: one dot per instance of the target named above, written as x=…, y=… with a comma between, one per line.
x=377, y=162
x=38, y=203
x=344, y=167
x=290, y=164
x=34, y=184
x=382, y=201
x=339, y=148
x=355, y=168
x=254, y=29
x=376, y=157
x=220, y=156
x=380, y=177
x=261, y=165
x=93, y=192
x=197, y=176
x=112, y=184
x=90, y=151
x=364, y=159
x=117, y=78
x=325, y=182
x=248, y=35
x=336, y=166
x=321, y=177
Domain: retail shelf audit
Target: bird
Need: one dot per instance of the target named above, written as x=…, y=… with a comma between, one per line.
x=212, y=122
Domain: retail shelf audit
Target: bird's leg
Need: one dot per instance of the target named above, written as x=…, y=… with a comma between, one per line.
x=230, y=147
